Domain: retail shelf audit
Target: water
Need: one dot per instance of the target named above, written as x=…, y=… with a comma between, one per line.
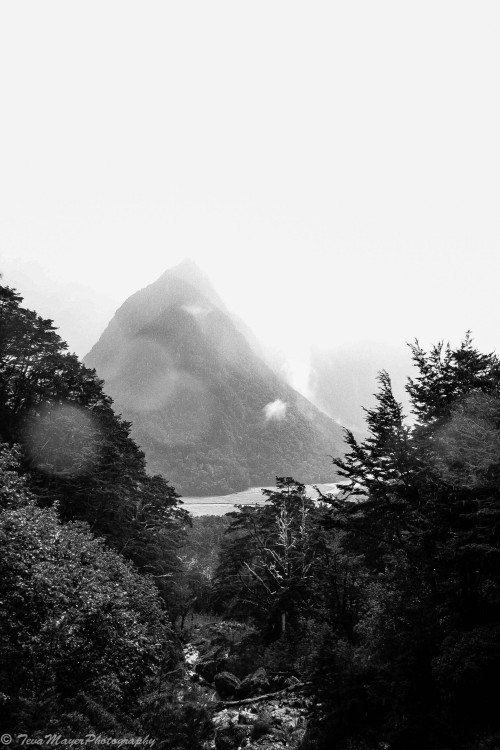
x=218, y=505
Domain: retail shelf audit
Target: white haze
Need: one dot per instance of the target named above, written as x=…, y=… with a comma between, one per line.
x=332, y=166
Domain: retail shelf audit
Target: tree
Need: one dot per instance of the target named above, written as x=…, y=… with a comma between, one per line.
x=422, y=505
x=382, y=474
x=82, y=635
x=35, y=368
x=272, y=554
x=77, y=454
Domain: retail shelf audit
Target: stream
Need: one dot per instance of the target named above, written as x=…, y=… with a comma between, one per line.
x=257, y=722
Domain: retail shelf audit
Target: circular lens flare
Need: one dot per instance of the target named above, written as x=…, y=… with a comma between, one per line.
x=62, y=439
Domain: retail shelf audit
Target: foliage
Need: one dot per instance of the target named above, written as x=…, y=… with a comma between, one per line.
x=77, y=453
x=273, y=551
x=178, y=721
x=385, y=597
x=420, y=511
x=203, y=540
x=84, y=634
x=79, y=628
x=199, y=556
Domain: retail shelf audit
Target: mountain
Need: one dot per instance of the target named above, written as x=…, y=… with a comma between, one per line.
x=211, y=416
x=189, y=272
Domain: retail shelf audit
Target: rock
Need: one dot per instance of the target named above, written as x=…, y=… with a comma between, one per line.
x=255, y=684
x=247, y=717
x=211, y=662
x=226, y=684
x=230, y=737
x=225, y=717
x=207, y=669
x=279, y=681
x=261, y=728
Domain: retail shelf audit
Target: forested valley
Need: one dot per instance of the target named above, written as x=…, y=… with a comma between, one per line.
x=363, y=620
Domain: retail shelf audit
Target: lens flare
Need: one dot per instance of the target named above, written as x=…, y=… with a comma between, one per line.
x=62, y=439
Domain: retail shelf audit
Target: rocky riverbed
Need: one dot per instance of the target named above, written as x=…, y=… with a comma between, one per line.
x=258, y=710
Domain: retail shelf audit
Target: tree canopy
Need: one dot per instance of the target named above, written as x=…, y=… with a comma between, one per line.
x=77, y=453
x=421, y=504
x=79, y=627
x=390, y=588
x=89, y=555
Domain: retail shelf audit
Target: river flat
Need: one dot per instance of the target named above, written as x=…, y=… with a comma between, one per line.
x=218, y=505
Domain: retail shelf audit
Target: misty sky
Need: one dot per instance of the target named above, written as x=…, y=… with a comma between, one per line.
x=335, y=167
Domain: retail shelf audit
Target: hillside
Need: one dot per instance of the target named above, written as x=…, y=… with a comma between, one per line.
x=210, y=415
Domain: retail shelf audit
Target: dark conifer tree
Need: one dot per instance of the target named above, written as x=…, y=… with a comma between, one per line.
x=422, y=504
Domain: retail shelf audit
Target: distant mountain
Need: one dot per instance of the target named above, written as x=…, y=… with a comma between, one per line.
x=210, y=415
x=189, y=272
x=343, y=380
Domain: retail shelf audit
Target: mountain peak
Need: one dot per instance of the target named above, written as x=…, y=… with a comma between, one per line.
x=186, y=266
x=187, y=262
x=189, y=272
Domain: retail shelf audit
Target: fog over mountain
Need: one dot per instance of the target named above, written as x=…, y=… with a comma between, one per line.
x=209, y=413
x=343, y=380
x=340, y=380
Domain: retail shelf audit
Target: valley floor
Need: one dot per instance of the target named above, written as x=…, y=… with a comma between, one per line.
x=218, y=505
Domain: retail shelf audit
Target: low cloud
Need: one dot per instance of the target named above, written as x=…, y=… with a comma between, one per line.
x=196, y=310
x=275, y=410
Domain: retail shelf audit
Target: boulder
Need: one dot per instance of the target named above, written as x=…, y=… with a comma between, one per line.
x=226, y=684
x=230, y=737
x=207, y=669
x=255, y=684
x=279, y=681
x=247, y=717
x=212, y=661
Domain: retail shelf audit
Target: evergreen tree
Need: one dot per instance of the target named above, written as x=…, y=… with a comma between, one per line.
x=422, y=506
x=77, y=453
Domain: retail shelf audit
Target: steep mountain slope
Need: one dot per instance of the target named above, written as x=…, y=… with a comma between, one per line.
x=209, y=414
